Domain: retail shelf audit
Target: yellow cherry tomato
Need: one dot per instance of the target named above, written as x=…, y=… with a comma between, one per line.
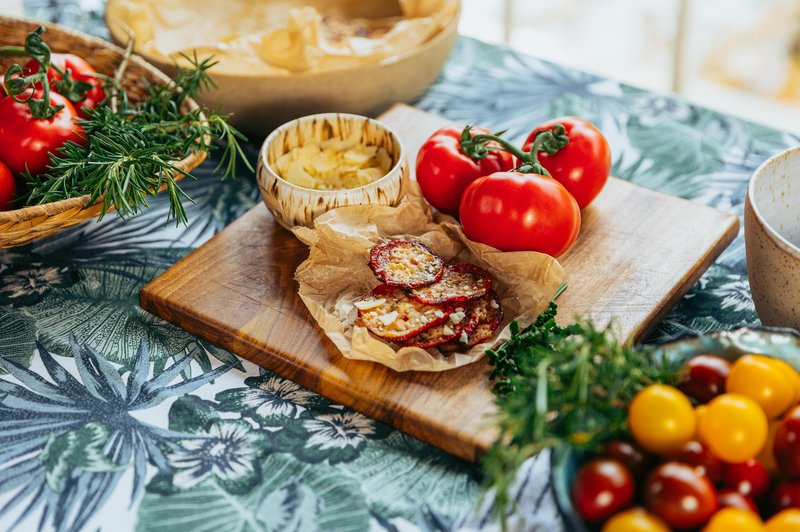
x=699, y=412
x=789, y=372
x=785, y=521
x=767, y=454
x=735, y=520
x=762, y=381
x=661, y=419
x=734, y=427
x=635, y=520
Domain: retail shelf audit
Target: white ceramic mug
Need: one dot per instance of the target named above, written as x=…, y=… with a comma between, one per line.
x=772, y=239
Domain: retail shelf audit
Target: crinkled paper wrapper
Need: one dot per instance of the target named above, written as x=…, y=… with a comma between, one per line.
x=336, y=275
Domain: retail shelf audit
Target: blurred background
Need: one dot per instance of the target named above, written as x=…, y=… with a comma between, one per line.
x=741, y=57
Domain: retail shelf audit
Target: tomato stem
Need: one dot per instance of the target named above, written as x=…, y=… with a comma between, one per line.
x=550, y=141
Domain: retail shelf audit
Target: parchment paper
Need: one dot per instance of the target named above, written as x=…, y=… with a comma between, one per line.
x=336, y=275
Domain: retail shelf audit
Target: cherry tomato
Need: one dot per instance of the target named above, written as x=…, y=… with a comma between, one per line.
x=635, y=520
x=702, y=459
x=8, y=187
x=629, y=454
x=749, y=478
x=767, y=454
x=80, y=70
x=583, y=165
x=734, y=427
x=786, y=521
x=760, y=380
x=704, y=377
x=785, y=495
x=735, y=519
x=520, y=212
x=602, y=488
x=787, y=444
x=789, y=372
x=729, y=498
x=26, y=142
x=679, y=496
x=661, y=419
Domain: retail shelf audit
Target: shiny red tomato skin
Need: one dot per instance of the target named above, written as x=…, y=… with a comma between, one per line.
x=80, y=70
x=628, y=454
x=602, y=488
x=444, y=171
x=704, y=377
x=729, y=498
x=27, y=142
x=520, y=212
x=702, y=459
x=787, y=444
x=785, y=495
x=678, y=495
x=749, y=478
x=583, y=165
x=8, y=187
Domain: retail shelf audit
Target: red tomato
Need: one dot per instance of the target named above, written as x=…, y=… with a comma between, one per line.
x=704, y=377
x=602, y=488
x=678, y=495
x=702, y=459
x=444, y=171
x=729, y=498
x=8, y=187
x=785, y=495
x=26, y=142
x=787, y=444
x=520, y=212
x=748, y=478
x=80, y=70
x=628, y=454
x=583, y=165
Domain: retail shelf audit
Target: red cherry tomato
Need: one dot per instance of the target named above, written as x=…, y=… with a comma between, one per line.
x=26, y=142
x=444, y=171
x=729, y=498
x=702, y=459
x=785, y=495
x=749, y=478
x=602, y=488
x=583, y=165
x=704, y=377
x=80, y=70
x=8, y=187
x=520, y=212
x=629, y=454
x=678, y=495
x=787, y=444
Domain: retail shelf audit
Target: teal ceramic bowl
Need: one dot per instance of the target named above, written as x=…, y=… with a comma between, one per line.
x=779, y=343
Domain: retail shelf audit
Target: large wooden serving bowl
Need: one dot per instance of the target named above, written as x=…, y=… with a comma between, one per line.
x=21, y=226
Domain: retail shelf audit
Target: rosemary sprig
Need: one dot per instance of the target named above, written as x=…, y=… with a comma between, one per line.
x=561, y=385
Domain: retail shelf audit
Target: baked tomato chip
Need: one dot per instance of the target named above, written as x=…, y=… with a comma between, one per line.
x=459, y=282
x=405, y=264
x=442, y=333
x=390, y=314
x=484, y=318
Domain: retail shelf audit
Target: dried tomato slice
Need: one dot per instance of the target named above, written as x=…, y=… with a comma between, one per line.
x=442, y=333
x=460, y=282
x=484, y=318
x=389, y=314
x=405, y=264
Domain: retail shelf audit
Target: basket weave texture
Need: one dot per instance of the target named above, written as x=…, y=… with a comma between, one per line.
x=21, y=226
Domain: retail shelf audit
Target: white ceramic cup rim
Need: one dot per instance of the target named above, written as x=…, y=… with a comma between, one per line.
x=773, y=233
x=262, y=153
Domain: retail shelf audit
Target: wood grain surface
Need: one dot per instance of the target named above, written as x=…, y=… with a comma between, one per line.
x=639, y=251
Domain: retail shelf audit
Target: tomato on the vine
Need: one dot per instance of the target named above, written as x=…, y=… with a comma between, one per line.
x=520, y=212
x=444, y=170
x=80, y=70
x=583, y=166
x=8, y=187
x=26, y=142
x=678, y=495
x=661, y=419
x=602, y=488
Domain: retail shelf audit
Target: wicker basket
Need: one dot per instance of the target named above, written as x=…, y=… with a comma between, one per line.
x=21, y=226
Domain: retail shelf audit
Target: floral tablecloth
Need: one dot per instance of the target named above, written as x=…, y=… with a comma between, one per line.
x=112, y=419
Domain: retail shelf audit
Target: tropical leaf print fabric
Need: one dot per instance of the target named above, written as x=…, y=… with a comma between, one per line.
x=112, y=419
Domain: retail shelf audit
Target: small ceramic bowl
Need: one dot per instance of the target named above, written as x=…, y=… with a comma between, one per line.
x=772, y=239
x=295, y=205
x=779, y=343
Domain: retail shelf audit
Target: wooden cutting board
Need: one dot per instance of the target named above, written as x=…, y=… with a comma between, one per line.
x=638, y=252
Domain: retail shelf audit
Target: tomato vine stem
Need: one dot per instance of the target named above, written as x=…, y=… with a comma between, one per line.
x=550, y=141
